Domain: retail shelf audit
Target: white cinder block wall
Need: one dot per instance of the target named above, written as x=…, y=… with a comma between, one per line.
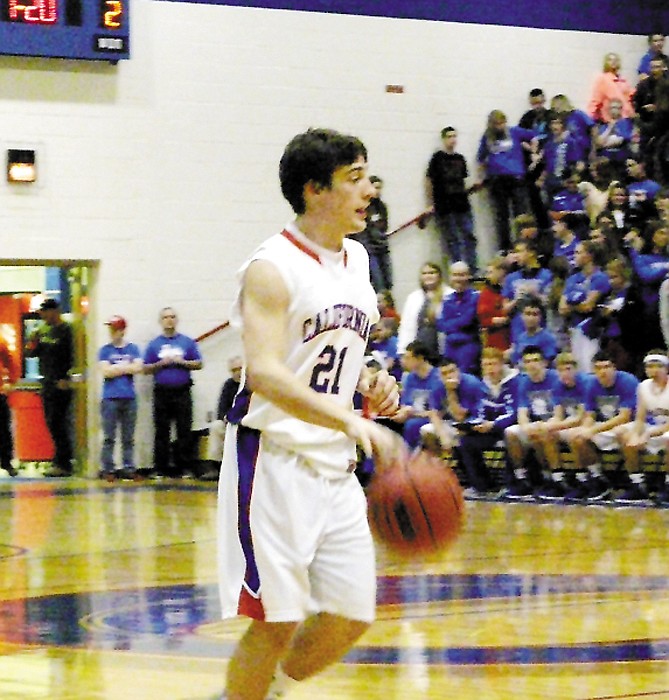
x=164, y=168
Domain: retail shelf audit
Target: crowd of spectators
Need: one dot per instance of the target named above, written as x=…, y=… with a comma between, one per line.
x=555, y=347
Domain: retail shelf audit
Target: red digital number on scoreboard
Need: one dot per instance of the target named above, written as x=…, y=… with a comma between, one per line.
x=39, y=12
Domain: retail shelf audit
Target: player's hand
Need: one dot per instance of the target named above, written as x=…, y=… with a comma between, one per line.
x=375, y=440
x=381, y=391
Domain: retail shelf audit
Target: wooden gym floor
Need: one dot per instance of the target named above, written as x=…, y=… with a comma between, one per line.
x=108, y=592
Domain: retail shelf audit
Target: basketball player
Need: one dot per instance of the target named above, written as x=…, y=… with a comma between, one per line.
x=650, y=430
x=295, y=551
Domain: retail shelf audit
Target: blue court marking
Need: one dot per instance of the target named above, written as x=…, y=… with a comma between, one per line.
x=166, y=620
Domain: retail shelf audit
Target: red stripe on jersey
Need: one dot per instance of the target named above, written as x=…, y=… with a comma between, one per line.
x=305, y=249
x=250, y=606
x=298, y=244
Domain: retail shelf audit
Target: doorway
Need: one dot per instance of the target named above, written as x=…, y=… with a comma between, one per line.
x=24, y=284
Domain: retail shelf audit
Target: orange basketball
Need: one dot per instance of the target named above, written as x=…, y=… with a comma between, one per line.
x=416, y=506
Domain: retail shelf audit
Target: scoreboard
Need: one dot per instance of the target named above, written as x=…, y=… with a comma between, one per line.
x=75, y=29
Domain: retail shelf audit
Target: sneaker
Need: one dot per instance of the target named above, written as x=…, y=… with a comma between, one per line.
x=10, y=470
x=107, y=476
x=577, y=492
x=550, y=491
x=632, y=495
x=597, y=489
x=662, y=496
x=56, y=472
x=519, y=490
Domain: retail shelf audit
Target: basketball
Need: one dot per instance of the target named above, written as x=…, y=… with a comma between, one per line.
x=416, y=506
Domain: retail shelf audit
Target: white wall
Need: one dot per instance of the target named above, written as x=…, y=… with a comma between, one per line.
x=164, y=168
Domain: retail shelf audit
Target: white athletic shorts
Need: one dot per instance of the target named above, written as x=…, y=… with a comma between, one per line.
x=609, y=440
x=518, y=431
x=310, y=547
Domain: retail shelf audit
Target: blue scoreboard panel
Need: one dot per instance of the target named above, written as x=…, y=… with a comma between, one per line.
x=93, y=30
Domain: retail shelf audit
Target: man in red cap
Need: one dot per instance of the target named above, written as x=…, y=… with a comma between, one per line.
x=120, y=361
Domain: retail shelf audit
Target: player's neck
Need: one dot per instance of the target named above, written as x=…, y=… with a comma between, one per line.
x=322, y=233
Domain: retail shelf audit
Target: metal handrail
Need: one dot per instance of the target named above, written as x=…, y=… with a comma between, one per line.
x=420, y=220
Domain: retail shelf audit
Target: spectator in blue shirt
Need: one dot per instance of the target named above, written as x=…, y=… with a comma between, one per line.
x=119, y=361
x=614, y=138
x=583, y=291
x=579, y=124
x=530, y=280
x=502, y=166
x=655, y=46
x=610, y=404
x=456, y=401
x=459, y=320
x=565, y=239
x=170, y=358
x=532, y=313
x=421, y=384
x=560, y=156
x=536, y=405
x=570, y=396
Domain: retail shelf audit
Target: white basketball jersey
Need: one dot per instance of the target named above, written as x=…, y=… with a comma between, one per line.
x=332, y=307
x=656, y=402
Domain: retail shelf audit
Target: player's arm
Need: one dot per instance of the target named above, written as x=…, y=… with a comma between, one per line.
x=265, y=301
x=623, y=416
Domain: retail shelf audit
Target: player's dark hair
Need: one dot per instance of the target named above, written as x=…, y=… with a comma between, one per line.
x=536, y=92
x=446, y=361
x=533, y=350
x=313, y=157
x=447, y=130
x=603, y=356
x=420, y=349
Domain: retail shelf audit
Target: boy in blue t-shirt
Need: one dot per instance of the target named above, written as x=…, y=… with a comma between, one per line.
x=420, y=384
x=120, y=362
x=610, y=405
x=536, y=405
x=570, y=397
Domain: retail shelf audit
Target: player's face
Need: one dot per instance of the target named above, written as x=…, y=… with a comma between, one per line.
x=567, y=374
x=409, y=361
x=534, y=365
x=344, y=204
x=492, y=368
x=656, y=370
x=605, y=372
x=450, y=375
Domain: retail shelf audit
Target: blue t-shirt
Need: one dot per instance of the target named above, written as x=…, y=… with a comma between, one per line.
x=525, y=283
x=579, y=125
x=471, y=392
x=176, y=346
x=578, y=287
x=123, y=386
x=624, y=128
x=606, y=403
x=505, y=156
x=418, y=392
x=572, y=397
x=538, y=397
x=566, y=250
x=543, y=339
